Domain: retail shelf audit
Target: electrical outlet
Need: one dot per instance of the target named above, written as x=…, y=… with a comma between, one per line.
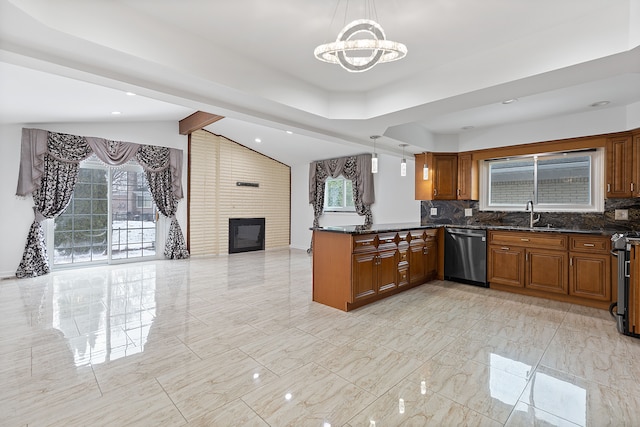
x=622, y=214
x=468, y=212
x=434, y=211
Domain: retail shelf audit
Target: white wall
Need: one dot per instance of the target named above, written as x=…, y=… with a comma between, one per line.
x=16, y=214
x=593, y=122
x=394, y=200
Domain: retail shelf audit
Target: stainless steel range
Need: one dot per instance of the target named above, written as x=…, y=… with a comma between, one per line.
x=626, y=310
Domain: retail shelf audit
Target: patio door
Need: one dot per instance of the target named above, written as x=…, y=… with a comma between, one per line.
x=110, y=217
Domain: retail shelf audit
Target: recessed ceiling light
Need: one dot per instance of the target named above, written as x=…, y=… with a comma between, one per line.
x=467, y=127
x=510, y=101
x=116, y=113
x=130, y=94
x=600, y=104
x=289, y=132
x=258, y=140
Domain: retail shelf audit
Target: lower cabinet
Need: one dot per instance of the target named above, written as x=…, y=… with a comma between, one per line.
x=506, y=266
x=350, y=271
x=547, y=271
x=551, y=265
x=374, y=273
x=423, y=256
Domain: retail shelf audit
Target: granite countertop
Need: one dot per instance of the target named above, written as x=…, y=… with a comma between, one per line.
x=384, y=228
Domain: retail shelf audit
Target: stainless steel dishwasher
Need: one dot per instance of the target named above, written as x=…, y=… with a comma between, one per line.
x=465, y=256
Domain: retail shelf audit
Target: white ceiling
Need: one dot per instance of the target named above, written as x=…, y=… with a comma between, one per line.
x=251, y=61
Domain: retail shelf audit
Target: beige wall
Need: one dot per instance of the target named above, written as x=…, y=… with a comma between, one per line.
x=217, y=163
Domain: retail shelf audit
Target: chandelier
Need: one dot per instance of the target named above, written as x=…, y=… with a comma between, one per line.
x=359, y=46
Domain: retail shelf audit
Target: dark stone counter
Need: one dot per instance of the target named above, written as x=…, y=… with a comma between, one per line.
x=386, y=228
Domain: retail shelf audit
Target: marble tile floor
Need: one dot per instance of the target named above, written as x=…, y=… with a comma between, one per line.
x=236, y=341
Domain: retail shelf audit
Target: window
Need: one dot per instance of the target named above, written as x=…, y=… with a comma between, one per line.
x=338, y=195
x=555, y=182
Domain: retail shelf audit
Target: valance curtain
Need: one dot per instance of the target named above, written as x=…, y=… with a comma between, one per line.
x=49, y=166
x=355, y=168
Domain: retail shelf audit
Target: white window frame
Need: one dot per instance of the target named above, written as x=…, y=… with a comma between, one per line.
x=597, y=186
x=345, y=192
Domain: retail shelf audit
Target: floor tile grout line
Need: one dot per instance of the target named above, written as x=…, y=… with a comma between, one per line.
x=172, y=402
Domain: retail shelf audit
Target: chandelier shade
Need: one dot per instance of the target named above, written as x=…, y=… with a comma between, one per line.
x=356, y=54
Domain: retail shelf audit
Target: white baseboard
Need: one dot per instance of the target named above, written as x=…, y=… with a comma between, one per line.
x=7, y=275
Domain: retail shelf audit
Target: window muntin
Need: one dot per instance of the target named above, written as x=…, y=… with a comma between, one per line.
x=555, y=182
x=338, y=195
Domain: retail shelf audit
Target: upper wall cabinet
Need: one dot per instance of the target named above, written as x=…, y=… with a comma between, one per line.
x=623, y=166
x=450, y=177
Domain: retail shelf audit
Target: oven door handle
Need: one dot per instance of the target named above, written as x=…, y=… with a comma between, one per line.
x=614, y=253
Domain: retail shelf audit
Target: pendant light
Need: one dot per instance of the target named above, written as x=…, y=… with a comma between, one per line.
x=425, y=169
x=403, y=163
x=374, y=156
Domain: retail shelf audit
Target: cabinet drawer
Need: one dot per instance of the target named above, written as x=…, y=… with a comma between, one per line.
x=417, y=234
x=528, y=239
x=387, y=239
x=591, y=244
x=365, y=242
x=432, y=232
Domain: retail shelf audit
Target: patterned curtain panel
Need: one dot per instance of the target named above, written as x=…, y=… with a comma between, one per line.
x=155, y=162
x=49, y=165
x=355, y=168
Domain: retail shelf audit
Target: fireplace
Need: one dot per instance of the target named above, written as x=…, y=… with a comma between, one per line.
x=246, y=234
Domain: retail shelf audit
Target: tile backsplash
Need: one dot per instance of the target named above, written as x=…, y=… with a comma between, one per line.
x=452, y=212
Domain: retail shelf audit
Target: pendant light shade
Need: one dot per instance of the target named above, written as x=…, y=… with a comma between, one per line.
x=374, y=156
x=403, y=163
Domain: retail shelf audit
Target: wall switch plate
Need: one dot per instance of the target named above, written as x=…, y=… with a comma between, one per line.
x=434, y=211
x=468, y=212
x=622, y=214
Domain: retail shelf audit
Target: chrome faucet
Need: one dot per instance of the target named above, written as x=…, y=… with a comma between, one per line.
x=531, y=220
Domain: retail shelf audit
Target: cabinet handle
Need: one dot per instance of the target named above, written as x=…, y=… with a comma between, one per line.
x=459, y=190
x=522, y=239
x=632, y=187
x=608, y=188
x=435, y=192
x=389, y=240
x=571, y=262
x=526, y=256
x=589, y=245
x=504, y=248
x=425, y=251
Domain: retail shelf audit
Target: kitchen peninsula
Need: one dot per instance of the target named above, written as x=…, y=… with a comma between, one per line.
x=356, y=265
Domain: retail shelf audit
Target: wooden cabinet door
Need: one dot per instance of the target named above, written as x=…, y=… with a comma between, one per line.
x=590, y=275
x=431, y=258
x=445, y=176
x=417, y=265
x=636, y=166
x=364, y=275
x=547, y=271
x=386, y=271
x=506, y=265
x=464, y=177
x=619, y=167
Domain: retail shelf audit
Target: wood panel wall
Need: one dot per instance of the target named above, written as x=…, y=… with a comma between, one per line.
x=217, y=165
